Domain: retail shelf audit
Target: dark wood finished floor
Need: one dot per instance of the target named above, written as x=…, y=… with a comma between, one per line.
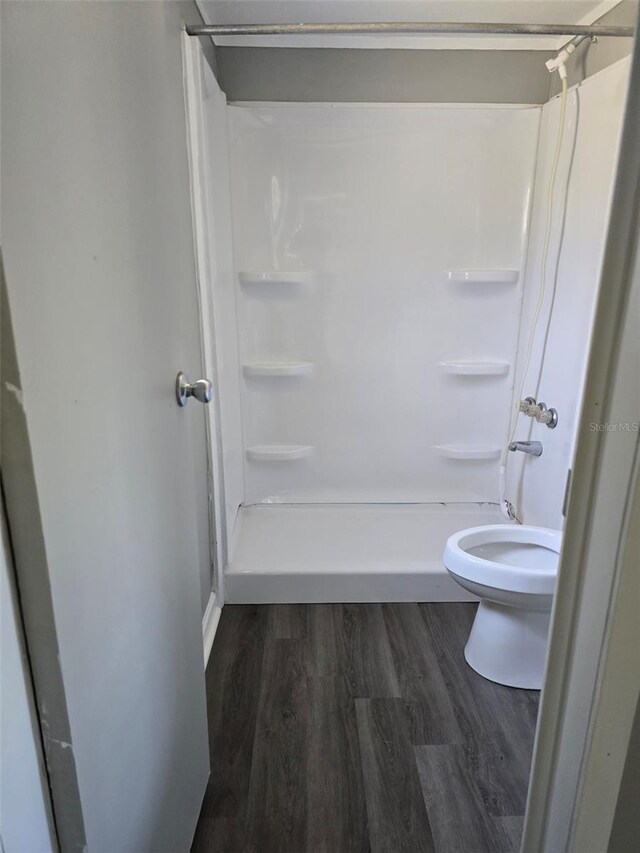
x=345, y=728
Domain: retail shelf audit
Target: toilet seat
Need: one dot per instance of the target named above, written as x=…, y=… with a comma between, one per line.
x=483, y=555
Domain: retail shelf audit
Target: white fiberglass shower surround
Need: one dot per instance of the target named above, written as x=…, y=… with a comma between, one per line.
x=369, y=275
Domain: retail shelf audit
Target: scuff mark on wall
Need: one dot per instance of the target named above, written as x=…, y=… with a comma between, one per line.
x=16, y=392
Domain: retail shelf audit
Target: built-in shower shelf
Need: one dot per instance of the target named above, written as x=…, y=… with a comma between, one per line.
x=484, y=276
x=279, y=452
x=475, y=368
x=275, y=277
x=468, y=451
x=277, y=368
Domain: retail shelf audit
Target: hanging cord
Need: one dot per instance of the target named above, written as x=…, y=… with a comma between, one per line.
x=506, y=507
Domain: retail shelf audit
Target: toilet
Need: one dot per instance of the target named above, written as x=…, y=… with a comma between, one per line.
x=512, y=569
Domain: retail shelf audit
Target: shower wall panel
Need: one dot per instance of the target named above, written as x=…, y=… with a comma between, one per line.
x=582, y=201
x=379, y=255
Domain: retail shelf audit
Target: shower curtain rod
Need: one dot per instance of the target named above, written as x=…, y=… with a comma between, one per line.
x=401, y=28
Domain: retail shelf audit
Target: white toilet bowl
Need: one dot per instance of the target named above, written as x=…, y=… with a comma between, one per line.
x=512, y=569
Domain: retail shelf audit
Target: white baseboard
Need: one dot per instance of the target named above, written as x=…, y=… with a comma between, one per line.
x=210, y=625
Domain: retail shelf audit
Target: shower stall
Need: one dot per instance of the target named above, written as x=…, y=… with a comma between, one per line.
x=369, y=275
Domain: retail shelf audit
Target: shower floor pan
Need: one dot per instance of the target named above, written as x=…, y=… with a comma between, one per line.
x=313, y=553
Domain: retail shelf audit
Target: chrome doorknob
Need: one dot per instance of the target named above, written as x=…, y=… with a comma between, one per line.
x=201, y=390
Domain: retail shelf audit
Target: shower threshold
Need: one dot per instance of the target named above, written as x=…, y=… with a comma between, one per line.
x=314, y=553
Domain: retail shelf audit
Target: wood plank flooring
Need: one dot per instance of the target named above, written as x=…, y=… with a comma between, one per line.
x=359, y=728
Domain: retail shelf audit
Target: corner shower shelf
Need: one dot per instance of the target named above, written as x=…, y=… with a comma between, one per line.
x=277, y=368
x=475, y=368
x=468, y=451
x=296, y=277
x=279, y=452
x=484, y=276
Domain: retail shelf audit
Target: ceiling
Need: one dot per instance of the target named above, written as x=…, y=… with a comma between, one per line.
x=476, y=11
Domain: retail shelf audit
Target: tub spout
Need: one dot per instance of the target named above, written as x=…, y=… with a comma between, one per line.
x=533, y=448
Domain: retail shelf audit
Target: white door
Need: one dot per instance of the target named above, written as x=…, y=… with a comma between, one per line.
x=105, y=476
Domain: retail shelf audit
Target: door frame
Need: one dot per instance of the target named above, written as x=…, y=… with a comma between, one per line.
x=578, y=720
x=590, y=693
x=193, y=65
x=29, y=783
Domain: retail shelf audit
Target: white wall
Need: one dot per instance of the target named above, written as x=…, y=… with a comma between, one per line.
x=330, y=74
x=594, y=118
x=379, y=202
